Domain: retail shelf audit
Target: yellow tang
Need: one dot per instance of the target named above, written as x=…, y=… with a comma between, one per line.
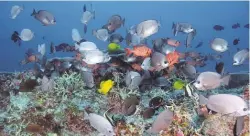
x=114, y=47
x=106, y=86
x=178, y=85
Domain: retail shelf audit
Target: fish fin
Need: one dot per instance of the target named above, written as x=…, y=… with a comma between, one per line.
x=225, y=80
x=203, y=100
x=239, y=126
x=85, y=28
x=86, y=115
x=84, y=8
x=94, y=32
x=33, y=13
x=128, y=51
x=123, y=22
x=93, y=14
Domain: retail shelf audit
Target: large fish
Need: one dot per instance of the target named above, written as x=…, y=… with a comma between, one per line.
x=158, y=60
x=15, y=11
x=190, y=37
x=147, y=28
x=114, y=23
x=219, y=45
x=101, y=34
x=45, y=17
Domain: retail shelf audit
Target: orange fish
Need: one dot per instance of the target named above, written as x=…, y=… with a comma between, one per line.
x=172, y=58
x=172, y=42
x=139, y=51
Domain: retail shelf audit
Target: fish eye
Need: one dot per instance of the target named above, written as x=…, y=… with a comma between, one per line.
x=165, y=62
x=198, y=82
x=110, y=131
x=245, y=109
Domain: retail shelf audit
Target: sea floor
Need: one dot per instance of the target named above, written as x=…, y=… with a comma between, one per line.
x=57, y=109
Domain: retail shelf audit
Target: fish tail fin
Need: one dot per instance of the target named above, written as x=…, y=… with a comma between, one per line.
x=123, y=22
x=85, y=28
x=128, y=51
x=33, y=13
x=86, y=115
x=94, y=32
x=225, y=80
x=94, y=14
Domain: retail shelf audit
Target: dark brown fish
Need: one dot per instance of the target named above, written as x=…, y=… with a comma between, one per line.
x=15, y=37
x=148, y=113
x=156, y=102
x=235, y=26
x=218, y=27
x=236, y=41
x=219, y=67
x=129, y=105
x=28, y=85
x=246, y=26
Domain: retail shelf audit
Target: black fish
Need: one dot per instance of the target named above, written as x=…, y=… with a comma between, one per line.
x=235, y=26
x=236, y=41
x=218, y=27
x=15, y=37
x=246, y=26
x=219, y=67
x=52, y=48
x=199, y=45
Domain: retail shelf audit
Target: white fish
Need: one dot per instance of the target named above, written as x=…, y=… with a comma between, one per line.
x=76, y=35
x=219, y=45
x=26, y=35
x=88, y=77
x=166, y=49
x=100, y=123
x=45, y=17
x=42, y=49
x=185, y=27
x=85, y=46
x=95, y=56
x=147, y=28
x=163, y=120
x=133, y=79
x=241, y=56
x=86, y=17
x=146, y=64
x=101, y=34
x=15, y=11
x=210, y=80
x=226, y=104
x=159, y=60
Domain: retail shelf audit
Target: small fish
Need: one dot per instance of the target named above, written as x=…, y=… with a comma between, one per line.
x=134, y=39
x=172, y=42
x=158, y=43
x=199, y=44
x=133, y=80
x=189, y=38
x=88, y=78
x=95, y=56
x=86, y=17
x=101, y=34
x=129, y=105
x=246, y=26
x=45, y=17
x=219, y=67
x=85, y=46
x=146, y=64
x=15, y=37
x=42, y=49
x=139, y=51
x=166, y=49
x=15, y=11
x=105, y=86
x=116, y=38
x=188, y=71
x=218, y=28
x=159, y=61
x=235, y=26
x=114, y=23
x=76, y=35
x=210, y=80
x=236, y=41
x=100, y=123
x=175, y=28
x=26, y=35
x=52, y=48
x=185, y=28
x=113, y=47
x=240, y=57
x=219, y=45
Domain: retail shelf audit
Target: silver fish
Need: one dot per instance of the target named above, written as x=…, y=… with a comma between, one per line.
x=159, y=60
x=45, y=17
x=241, y=56
x=188, y=71
x=185, y=28
x=86, y=17
x=116, y=38
x=219, y=45
x=114, y=23
x=88, y=79
x=190, y=37
x=101, y=34
x=133, y=80
x=166, y=49
x=147, y=28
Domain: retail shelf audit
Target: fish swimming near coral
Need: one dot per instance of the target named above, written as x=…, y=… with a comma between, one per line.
x=105, y=86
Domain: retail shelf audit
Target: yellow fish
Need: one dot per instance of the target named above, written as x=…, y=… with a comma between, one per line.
x=105, y=86
x=178, y=85
x=114, y=47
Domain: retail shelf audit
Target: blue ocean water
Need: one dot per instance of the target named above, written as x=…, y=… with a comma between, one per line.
x=202, y=15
